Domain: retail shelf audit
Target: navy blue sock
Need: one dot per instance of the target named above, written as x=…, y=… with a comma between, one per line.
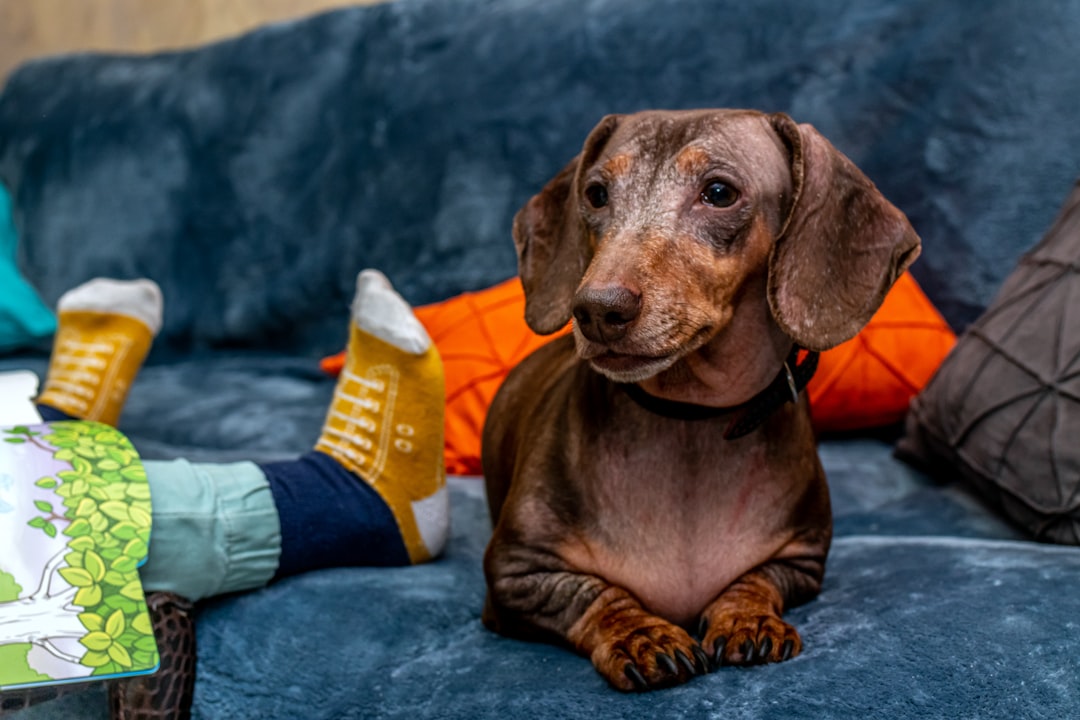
x=330, y=518
x=50, y=414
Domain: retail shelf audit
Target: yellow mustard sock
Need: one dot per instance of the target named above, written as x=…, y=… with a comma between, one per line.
x=104, y=331
x=385, y=422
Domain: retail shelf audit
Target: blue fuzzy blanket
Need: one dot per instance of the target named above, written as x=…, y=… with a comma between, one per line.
x=254, y=177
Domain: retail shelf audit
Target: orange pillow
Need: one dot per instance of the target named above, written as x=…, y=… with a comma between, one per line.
x=865, y=382
x=869, y=380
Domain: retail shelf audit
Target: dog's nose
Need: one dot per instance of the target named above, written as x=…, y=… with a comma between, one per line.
x=603, y=314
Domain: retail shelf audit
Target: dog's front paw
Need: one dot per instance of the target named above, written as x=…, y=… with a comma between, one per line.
x=748, y=638
x=652, y=655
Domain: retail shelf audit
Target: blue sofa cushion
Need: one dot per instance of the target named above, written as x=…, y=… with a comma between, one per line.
x=253, y=178
x=906, y=627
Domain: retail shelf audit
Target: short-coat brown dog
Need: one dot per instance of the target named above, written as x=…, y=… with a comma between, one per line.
x=655, y=473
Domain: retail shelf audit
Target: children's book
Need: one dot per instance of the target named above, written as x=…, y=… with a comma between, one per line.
x=74, y=528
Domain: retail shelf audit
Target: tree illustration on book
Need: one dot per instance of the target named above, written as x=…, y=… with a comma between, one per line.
x=75, y=526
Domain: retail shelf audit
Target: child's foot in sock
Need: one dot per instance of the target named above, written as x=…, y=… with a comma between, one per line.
x=104, y=332
x=385, y=422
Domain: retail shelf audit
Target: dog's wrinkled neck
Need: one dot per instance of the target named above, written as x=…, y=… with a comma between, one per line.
x=793, y=378
x=739, y=362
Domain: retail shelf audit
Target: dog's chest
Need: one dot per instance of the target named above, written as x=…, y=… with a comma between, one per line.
x=682, y=515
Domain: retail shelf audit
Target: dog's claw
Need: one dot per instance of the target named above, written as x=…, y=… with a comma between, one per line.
x=635, y=676
x=664, y=660
x=702, y=627
x=718, y=650
x=765, y=649
x=785, y=650
x=685, y=661
x=702, y=659
x=747, y=650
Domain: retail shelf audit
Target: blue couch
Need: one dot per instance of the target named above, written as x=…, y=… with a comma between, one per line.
x=253, y=178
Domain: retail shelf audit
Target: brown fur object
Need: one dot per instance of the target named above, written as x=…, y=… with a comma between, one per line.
x=694, y=251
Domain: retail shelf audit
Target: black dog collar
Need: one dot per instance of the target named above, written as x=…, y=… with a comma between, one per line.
x=785, y=387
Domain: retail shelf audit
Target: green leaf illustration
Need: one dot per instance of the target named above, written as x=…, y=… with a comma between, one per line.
x=94, y=565
x=140, y=517
x=137, y=491
x=115, y=579
x=136, y=548
x=97, y=640
x=119, y=654
x=124, y=564
x=78, y=528
x=116, y=510
x=124, y=530
x=145, y=643
x=85, y=508
x=43, y=506
x=77, y=577
x=143, y=625
x=133, y=590
x=115, y=625
x=134, y=472
x=81, y=543
x=88, y=596
x=47, y=483
x=94, y=659
x=98, y=522
x=92, y=621
x=50, y=530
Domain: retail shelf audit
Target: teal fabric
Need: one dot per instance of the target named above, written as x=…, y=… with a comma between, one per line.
x=23, y=317
x=215, y=529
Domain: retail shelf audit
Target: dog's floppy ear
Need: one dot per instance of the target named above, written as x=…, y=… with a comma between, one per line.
x=841, y=247
x=552, y=245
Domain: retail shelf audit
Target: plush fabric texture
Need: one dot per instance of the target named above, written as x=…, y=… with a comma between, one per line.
x=24, y=319
x=907, y=626
x=1004, y=408
x=254, y=177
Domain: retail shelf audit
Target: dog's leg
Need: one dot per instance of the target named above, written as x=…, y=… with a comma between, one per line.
x=743, y=625
x=632, y=648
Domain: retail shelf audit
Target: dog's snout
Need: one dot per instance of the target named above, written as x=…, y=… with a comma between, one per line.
x=604, y=314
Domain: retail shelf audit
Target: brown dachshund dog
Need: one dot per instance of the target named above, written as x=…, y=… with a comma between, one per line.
x=655, y=473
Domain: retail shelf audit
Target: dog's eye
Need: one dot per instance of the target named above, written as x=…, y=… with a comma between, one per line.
x=596, y=194
x=719, y=194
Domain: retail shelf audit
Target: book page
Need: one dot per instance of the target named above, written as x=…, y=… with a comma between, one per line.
x=74, y=528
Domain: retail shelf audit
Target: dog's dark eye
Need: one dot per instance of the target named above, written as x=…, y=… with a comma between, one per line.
x=719, y=194
x=596, y=194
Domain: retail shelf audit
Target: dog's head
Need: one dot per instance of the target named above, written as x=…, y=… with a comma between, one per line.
x=666, y=221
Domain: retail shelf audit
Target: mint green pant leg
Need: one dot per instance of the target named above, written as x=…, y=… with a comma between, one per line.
x=215, y=528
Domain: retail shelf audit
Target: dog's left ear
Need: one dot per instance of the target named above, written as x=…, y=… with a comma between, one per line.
x=841, y=247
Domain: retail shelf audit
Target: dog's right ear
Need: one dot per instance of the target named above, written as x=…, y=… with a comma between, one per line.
x=553, y=246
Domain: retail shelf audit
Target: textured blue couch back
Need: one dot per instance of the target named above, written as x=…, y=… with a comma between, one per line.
x=254, y=177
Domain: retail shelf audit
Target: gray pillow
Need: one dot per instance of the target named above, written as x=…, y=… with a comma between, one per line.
x=1004, y=407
